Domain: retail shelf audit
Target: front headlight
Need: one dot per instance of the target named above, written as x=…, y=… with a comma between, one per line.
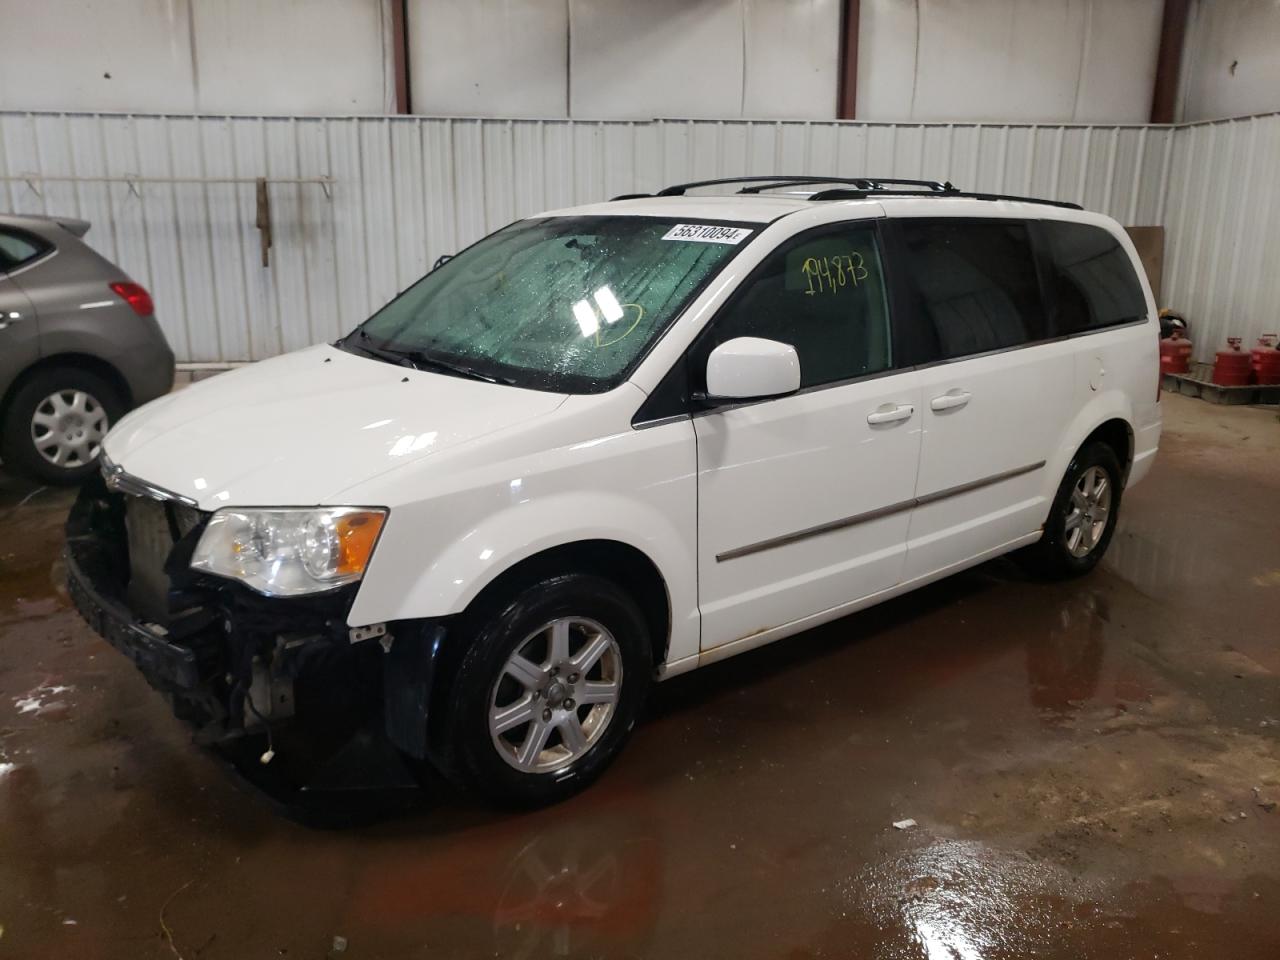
x=286, y=553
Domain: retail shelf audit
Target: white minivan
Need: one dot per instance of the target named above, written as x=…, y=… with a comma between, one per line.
x=614, y=443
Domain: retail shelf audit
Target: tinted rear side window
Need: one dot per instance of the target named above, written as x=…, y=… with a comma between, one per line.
x=19, y=248
x=975, y=283
x=1093, y=283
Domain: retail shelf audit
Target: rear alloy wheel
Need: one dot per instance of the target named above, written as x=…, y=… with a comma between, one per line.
x=56, y=422
x=1083, y=517
x=1090, y=512
x=547, y=691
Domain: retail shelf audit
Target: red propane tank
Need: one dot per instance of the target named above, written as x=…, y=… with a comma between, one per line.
x=1231, y=367
x=1175, y=353
x=1265, y=360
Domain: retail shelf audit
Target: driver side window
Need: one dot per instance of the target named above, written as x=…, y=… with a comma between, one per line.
x=824, y=294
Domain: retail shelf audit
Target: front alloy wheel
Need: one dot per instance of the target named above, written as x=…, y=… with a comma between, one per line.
x=549, y=684
x=556, y=695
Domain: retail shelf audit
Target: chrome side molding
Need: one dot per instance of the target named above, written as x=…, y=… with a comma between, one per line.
x=876, y=514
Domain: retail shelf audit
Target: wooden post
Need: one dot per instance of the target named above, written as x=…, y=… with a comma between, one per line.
x=400, y=54
x=1173, y=32
x=263, y=220
x=847, y=97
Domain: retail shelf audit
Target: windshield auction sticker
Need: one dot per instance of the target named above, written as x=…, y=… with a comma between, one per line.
x=707, y=233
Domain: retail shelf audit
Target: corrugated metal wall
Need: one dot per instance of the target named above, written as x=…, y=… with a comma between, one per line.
x=1222, y=237
x=409, y=189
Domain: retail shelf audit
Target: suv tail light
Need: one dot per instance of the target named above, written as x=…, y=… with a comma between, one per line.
x=136, y=296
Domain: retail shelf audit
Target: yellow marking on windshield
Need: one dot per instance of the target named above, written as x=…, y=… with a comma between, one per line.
x=622, y=336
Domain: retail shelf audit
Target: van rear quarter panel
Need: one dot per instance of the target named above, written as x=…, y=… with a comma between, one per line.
x=1117, y=370
x=1117, y=377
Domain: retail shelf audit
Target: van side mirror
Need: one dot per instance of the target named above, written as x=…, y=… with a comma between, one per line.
x=752, y=368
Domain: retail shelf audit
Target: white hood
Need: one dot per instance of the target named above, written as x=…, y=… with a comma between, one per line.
x=299, y=429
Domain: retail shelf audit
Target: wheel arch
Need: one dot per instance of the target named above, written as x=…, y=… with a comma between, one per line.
x=1116, y=433
x=627, y=566
x=1108, y=417
x=76, y=361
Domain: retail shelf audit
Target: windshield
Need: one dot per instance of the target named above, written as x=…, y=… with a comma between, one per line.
x=564, y=303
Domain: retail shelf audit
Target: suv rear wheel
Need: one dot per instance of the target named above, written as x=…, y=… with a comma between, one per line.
x=55, y=423
x=548, y=690
x=1083, y=517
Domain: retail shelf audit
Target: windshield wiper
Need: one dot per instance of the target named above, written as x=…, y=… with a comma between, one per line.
x=421, y=360
x=378, y=353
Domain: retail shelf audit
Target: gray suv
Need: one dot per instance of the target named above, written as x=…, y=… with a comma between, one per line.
x=79, y=346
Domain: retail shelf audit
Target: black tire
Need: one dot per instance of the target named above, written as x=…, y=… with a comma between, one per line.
x=18, y=448
x=475, y=760
x=1052, y=557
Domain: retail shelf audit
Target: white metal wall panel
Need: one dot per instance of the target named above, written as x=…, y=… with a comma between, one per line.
x=616, y=58
x=1222, y=242
x=631, y=59
x=489, y=57
x=791, y=55
x=198, y=55
x=1087, y=61
x=1230, y=67
x=127, y=54
x=409, y=189
x=335, y=52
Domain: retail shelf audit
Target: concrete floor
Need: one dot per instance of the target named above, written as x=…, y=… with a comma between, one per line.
x=1093, y=767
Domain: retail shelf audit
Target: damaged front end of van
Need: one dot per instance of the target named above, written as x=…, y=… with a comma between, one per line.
x=239, y=617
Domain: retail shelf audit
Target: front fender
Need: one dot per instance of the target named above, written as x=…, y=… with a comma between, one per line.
x=459, y=573
x=436, y=555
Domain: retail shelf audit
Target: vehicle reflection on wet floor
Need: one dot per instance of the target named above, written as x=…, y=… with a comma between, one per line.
x=1077, y=758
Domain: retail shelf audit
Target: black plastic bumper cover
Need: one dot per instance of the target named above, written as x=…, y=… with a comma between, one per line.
x=409, y=670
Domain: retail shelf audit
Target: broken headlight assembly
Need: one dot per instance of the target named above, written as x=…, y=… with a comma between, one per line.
x=290, y=552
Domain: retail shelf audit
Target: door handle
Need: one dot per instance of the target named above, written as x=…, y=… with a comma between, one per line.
x=891, y=413
x=950, y=400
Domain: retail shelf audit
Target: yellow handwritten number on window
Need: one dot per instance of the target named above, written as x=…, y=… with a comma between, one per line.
x=833, y=274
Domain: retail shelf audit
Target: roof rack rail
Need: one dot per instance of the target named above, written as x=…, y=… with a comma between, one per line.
x=846, y=194
x=773, y=181
x=851, y=188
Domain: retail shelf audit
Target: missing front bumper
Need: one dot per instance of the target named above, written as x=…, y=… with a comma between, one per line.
x=167, y=666
x=229, y=658
x=232, y=661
